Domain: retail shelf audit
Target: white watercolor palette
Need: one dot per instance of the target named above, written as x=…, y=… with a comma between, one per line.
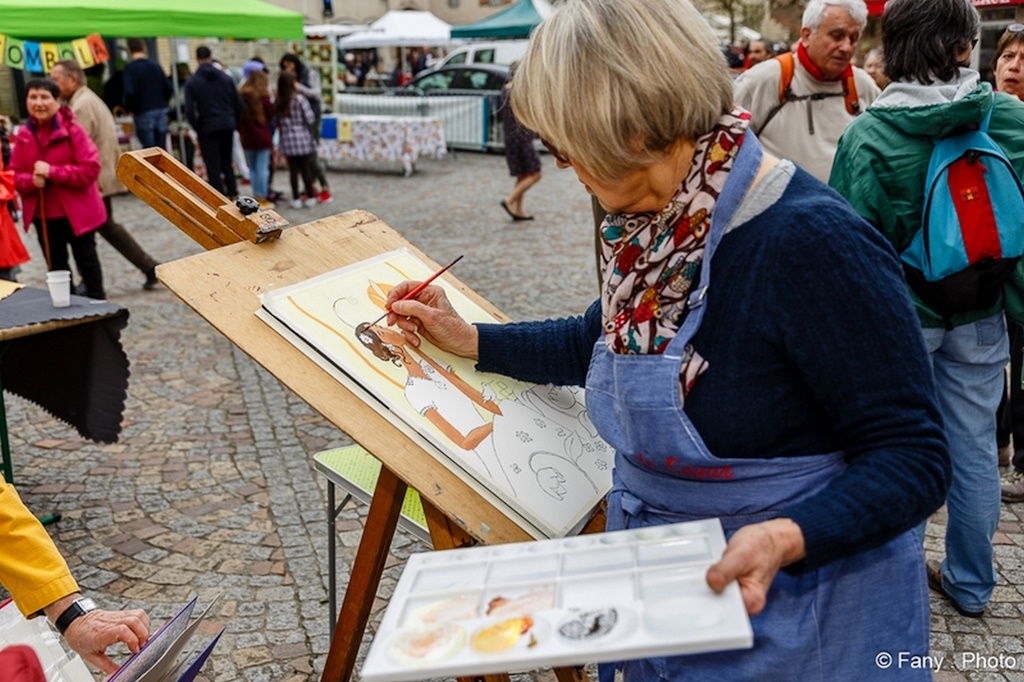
x=571, y=601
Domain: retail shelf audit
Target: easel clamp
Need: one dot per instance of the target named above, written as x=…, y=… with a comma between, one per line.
x=179, y=195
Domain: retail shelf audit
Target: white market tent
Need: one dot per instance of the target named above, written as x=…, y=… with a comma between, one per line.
x=404, y=28
x=332, y=30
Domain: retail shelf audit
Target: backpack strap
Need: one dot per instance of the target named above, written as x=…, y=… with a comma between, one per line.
x=850, y=95
x=787, y=64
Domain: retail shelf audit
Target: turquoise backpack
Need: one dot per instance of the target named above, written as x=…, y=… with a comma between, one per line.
x=972, y=224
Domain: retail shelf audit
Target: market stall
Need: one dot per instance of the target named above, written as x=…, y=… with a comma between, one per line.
x=59, y=19
x=515, y=21
x=391, y=139
x=401, y=29
x=321, y=54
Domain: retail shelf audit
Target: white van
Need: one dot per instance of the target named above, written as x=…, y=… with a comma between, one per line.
x=502, y=52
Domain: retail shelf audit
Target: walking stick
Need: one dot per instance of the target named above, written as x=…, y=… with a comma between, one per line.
x=42, y=219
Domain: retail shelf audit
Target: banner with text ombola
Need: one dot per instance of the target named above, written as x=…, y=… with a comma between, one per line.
x=27, y=55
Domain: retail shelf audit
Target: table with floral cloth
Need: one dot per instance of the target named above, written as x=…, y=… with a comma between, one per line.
x=381, y=138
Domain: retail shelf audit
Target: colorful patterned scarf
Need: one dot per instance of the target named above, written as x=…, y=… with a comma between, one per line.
x=651, y=260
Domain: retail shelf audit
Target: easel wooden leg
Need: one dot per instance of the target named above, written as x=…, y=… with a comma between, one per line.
x=448, y=535
x=373, y=551
x=571, y=675
x=443, y=532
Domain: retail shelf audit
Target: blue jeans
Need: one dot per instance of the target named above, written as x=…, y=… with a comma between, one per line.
x=151, y=128
x=259, y=171
x=969, y=362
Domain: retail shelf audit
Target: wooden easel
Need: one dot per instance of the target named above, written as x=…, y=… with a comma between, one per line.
x=197, y=209
x=223, y=285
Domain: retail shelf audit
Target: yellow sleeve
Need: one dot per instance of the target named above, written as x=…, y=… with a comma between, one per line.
x=31, y=567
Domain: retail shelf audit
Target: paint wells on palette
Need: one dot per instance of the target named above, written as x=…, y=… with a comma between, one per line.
x=702, y=613
x=685, y=529
x=600, y=559
x=507, y=636
x=673, y=551
x=521, y=569
x=426, y=645
x=652, y=533
x=613, y=588
x=449, y=577
x=522, y=600
x=666, y=594
x=421, y=612
x=659, y=585
x=542, y=548
x=610, y=539
x=583, y=627
x=451, y=556
x=580, y=542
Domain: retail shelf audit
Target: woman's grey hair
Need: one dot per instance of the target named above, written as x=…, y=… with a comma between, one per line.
x=612, y=83
x=925, y=39
x=815, y=11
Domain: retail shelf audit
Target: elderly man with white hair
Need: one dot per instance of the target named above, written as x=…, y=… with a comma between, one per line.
x=803, y=121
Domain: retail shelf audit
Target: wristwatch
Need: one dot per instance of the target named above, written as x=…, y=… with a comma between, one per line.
x=78, y=608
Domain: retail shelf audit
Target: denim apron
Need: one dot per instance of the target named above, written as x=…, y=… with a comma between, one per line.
x=865, y=617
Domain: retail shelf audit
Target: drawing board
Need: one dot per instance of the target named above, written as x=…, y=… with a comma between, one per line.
x=531, y=448
x=587, y=599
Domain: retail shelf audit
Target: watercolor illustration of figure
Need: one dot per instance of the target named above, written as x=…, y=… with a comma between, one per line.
x=438, y=394
x=529, y=441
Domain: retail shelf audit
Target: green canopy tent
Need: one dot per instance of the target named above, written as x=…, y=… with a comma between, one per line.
x=515, y=21
x=70, y=19
x=61, y=19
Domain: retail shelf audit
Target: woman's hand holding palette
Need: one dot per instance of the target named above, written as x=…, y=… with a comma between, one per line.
x=573, y=601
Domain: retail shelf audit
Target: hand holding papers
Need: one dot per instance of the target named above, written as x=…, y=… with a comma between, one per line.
x=162, y=658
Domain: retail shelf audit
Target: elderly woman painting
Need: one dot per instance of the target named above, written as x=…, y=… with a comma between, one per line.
x=797, y=367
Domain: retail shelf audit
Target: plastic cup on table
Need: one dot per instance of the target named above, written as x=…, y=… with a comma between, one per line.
x=59, y=283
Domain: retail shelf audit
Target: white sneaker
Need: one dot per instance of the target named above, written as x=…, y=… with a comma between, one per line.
x=310, y=202
x=296, y=203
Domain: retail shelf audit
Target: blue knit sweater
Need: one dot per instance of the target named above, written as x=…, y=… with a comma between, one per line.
x=812, y=346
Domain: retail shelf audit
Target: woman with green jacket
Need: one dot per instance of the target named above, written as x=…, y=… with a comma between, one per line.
x=880, y=167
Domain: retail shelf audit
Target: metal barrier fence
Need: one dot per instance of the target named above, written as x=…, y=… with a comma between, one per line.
x=469, y=118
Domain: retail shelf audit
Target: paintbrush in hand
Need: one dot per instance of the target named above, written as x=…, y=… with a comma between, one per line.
x=420, y=287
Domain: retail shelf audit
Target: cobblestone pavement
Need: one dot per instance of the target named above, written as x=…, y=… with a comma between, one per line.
x=210, y=488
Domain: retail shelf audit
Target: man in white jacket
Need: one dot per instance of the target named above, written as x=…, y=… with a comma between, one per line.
x=804, y=121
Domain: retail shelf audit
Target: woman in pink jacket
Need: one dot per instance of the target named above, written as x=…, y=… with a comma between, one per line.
x=55, y=170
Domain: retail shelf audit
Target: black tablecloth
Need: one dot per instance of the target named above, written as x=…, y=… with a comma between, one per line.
x=79, y=374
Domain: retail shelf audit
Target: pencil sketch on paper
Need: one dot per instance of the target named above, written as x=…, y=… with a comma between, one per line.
x=533, y=445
